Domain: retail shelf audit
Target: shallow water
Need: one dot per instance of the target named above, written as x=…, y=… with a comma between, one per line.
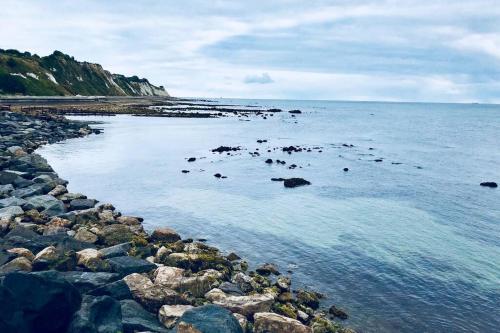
x=407, y=247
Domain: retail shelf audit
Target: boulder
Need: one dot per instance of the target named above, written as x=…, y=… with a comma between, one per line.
x=169, y=314
x=149, y=295
x=97, y=315
x=308, y=298
x=115, y=234
x=12, y=201
x=118, y=290
x=85, y=281
x=8, y=213
x=22, y=252
x=489, y=184
x=337, y=312
x=267, y=269
x=47, y=204
x=91, y=259
x=32, y=303
x=245, y=305
x=84, y=235
x=81, y=204
x=16, y=265
x=169, y=277
x=231, y=288
x=208, y=319
x=136, y=319
x=129, y=220
x=295, y=182
x=166, y=235
x=118, y=250
x=271, y=322
x=127, y=265
x=244, y=282
x=28, y=191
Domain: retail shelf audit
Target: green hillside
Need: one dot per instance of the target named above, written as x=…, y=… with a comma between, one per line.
x=61, y=75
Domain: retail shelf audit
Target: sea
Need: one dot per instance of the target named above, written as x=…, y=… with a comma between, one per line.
x=406, y=240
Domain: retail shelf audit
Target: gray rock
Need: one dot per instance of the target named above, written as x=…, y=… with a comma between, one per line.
x=12, y=201
x=118, y=290
x=119, y=250
x=83, y=281
x=127, y=265
x=29, y=191
x=81, y=204
x=136, y=319
x=6, y=189
x=231, y=288
x=9, y=213
x=48, y=204
x=208, y=319
x=97, y=315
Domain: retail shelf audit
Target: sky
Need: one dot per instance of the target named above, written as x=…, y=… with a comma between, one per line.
x=404, y=50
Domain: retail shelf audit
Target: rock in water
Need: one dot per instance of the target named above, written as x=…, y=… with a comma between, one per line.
x=208, y=319
x=489, y=184
x=32, y=303
x=294, y=182
x=165, y=235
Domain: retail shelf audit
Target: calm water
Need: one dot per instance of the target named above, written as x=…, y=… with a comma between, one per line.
x=408, y=247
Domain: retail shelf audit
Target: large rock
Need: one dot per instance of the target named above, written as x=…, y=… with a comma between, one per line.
x=119, y=250
x=12, y=201
x=32, y=303
x=97, y=315
x=271, y=322
x=47, y=204
x=118, y=290
x=16, y=265
x=208, y=319
x=295, y=182
x=245, y=305
x=169, y=314
x=84, y=235
x=81, y=204
x=127, y=265
x=166, y=235
x=173, y=277
x=9, y=213
x=91, y=259
x=115, y=234
x=136, y=319
x=83, y=281
x=149, y=295
x=169, y=277
x=129, y=220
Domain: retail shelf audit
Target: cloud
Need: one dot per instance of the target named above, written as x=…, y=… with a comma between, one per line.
x=264, y=78
x=409, y=50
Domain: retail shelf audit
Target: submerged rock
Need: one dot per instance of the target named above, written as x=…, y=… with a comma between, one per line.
x=489, y=184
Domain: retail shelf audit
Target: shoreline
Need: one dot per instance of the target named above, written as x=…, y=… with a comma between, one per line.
x=100, y=261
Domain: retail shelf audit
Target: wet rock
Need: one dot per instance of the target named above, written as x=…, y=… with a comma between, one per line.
x=245, y=305
x=223, y=149
x=217, y=175
x=136, y=319
x=267, y=269
x=207, y=319
x=278, y=179
x=129, y=220
x=308, y=298
x=346, y=169
x=232, y=256
x=191, y=159
x=81, y=204
x=295, y=182
x=283, y=282
x=489, y=184
x=185, y=171
x=271, y=322
x=84, y=281
x=16, y=265
x=244, y=282
x=84, y=235
x=97, y=315
x=127, y=265
x=170, y=314
x=337, y=312
x=31, y=303
x=295, y=111
x=269, y=161
x=231, y=289
x=166, y=235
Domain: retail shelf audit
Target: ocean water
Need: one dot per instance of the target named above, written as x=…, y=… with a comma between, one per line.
x=409, y=244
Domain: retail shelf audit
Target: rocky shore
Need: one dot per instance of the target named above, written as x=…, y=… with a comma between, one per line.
x=71, y=264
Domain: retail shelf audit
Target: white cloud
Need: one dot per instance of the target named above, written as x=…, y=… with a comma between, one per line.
x=262, y=79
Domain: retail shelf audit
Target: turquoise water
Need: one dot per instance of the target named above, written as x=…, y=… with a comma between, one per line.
x=408, y=247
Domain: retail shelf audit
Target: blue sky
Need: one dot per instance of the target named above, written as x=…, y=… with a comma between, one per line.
x=405, y=50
